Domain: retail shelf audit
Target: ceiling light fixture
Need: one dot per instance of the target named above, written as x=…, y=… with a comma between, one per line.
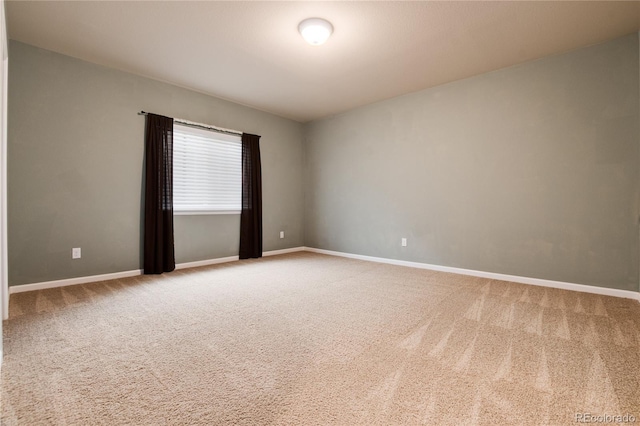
x=315, y=30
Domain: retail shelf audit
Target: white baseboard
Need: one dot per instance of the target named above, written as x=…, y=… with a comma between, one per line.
x=73, y=281
x=205, y=262
x=627, y=294
x=283, y=251
x=234, y=258
x=491, y=275
x=115, y=275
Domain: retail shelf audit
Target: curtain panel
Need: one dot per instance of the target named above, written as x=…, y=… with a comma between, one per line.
x=251, y=215
x=159, y=255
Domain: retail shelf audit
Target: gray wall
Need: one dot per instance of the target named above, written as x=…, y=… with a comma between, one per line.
x=531, y=171
x=75, y=154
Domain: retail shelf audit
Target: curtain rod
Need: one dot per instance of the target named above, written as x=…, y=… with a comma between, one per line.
x=201, y=125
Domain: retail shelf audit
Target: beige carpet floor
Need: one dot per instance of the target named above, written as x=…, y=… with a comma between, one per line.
x=307, y=339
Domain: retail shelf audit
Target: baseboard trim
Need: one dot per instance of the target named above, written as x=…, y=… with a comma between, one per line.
x=125, y=274
x=73, y=281
x=627, y=294
x=283, y=251
x=206, y=262
x=491, y=275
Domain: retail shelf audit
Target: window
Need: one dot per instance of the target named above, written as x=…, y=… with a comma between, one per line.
x=207, y=171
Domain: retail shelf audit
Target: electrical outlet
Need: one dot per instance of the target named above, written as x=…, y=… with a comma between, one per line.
x=281, y=234
x=404, y=242
x=76, y=253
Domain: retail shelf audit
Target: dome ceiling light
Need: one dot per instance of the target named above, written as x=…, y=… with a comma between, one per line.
x=315, y=30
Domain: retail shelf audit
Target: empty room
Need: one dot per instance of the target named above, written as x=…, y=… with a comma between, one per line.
x=320, y=213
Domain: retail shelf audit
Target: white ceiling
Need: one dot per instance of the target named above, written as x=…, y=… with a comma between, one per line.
x=251, y=52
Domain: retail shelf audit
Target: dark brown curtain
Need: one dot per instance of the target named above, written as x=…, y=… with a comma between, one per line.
x=159, y=255
x=251, y=216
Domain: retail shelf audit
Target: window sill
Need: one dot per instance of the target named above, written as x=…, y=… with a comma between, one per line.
x=204, y=212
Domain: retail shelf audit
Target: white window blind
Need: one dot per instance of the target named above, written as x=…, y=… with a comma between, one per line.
x=207, y=171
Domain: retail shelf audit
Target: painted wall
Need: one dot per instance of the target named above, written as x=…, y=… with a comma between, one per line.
x=76, y=148
x=531, y=171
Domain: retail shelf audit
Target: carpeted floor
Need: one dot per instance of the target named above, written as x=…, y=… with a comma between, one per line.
x=306, y=339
